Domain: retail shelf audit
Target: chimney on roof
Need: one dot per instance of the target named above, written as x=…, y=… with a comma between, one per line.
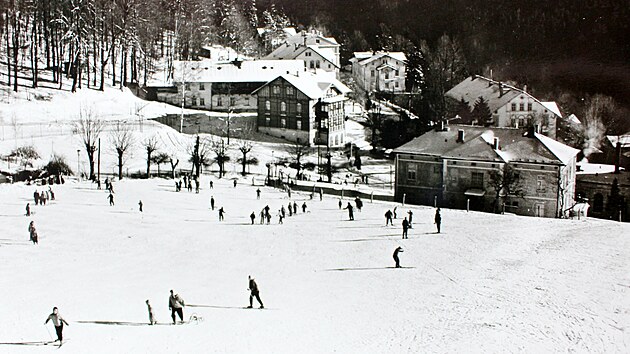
x=495, y=144
x=500, y=89
x=461, y=135
x=617, y=156
x=525, y=88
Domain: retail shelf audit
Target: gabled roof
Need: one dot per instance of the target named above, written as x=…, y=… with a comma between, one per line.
x=241, y=71
x=624, y=140
x=496, y=94
x=400, y=56
x=552, y=107
x=515, y=146
x=313, y=86
x=311, y=38
x=288, y=51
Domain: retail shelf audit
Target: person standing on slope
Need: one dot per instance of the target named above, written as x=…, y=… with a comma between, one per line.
x=152, y=320
x=33, y=233
x=438, y=219
x=388, y=218
x=350, y=211
x=28, y=209
x=58, y=321
x=253, y=217
x=221, y=214
x=405, y=225
x=396, y=259
x=212, y=202
x=258, y=193
x=253, y=288
x=176, y=305
x=111, y=199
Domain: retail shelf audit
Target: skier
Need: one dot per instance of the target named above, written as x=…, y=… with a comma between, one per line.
x=152, y=320
x=410, y=218
x=258, y=193
x=221, y=213
x=304, y=207
x=398, y=250
x=58, y=321
x=253, y=217
x=388, y=218
x=438, y=219
x=280, y=216
x=36, y=197
x=111, y=199
x=405, y=225
x=33, y=233
x=253, y=288
x=28, y=209
x=140, y=205
x=350, y=211
x=176, y=305
x=212, y=202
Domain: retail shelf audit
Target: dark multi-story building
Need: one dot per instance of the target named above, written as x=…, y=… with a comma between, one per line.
x=455, y=167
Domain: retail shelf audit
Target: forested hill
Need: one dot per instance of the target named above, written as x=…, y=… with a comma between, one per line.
x=564, y=38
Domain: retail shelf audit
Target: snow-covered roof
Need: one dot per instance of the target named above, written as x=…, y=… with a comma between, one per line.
x=292, y=51
x=552, y=107
x=313, y=86
x=312, y=37
x=573, y=119
x=400, y=56
x=563, y=152
x=623, y=139
x=241, y=71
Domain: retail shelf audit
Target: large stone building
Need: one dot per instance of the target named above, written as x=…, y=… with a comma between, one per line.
x=224, y=86
x=598, y=190
x=379, y=71
x=303, y=108
x=328, y=46
x=453, y=168
x=509, y=105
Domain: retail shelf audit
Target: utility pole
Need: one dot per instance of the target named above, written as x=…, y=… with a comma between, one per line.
x=99, y=159
x=78, y=162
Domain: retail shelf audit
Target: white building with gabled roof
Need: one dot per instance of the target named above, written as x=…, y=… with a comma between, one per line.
x=380, y=71
x=317, y=60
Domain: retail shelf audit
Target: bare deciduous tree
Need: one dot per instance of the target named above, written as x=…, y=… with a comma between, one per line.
x=160, y=159
x=122, y=140
x=245, y=147
x=150, y=146
x=297, y=151
x=89, y=126
x=221, y=157
x=174, y=162
x=506, y=183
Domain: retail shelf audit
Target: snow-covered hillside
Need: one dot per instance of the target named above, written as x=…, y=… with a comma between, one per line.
x=488, y=283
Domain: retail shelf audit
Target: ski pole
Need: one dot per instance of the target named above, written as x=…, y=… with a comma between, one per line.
x=49, y=335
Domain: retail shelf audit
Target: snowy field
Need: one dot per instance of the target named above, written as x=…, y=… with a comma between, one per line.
x=488, y=283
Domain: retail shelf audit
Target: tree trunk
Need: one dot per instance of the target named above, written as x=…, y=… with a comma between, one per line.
x=120, y=165
x=148, y=164
x=6, y=31
x=34, y=53
x=16, y=48
x=244, y=163
x=91, y=160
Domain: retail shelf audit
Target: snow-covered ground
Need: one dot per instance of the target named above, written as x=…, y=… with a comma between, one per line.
x=488, y=283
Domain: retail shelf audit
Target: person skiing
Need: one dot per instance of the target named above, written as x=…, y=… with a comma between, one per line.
x=212, y=202
x=28, y=209
x=410, y=218
x=221, y=214
x=405, y=225
x=253, y=288
x=388, y=218
x=176, y=305
x=33, y=233
x=36, y=197
x=350, y=211
x=396, y=259
x=304, y=207
x=258, y=193
x=438, y=219
x=140, y=205
x=253, y=217
x=152, y=320
x=58, y=321
x=111, y=199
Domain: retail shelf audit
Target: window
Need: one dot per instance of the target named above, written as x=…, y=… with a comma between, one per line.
x=514, y=106
x=193, y=101
x=232, y=101
x=312, y=64
x=299, y=109
x=202, y=102
x=329, y=66
x=187, y=87
x=289, y=90
x=308, y=54
x=397, y=84
x=283, y=107
x=283, y=123
x=372, y=73
x=386, y=76
x=515, y=204
x=437, y=169
x=387, y=85
x=267, y=105
x=540, y=184
x=202, y=86
x=397, y=73
x=411, y=172
x=299, y=125
x=219, y=101
x=317, y=41
x=476, y=180
x=317, y=64
x=529, y=106
x=521, y=106
x=276, y=89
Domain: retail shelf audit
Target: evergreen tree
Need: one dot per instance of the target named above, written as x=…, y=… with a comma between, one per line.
x=481, y=112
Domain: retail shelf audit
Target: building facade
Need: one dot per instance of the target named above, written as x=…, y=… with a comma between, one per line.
x=316, y=60
x=306, y=109
x=605, y=203
x=509, y=105
x=379, y=71
x=457, y=168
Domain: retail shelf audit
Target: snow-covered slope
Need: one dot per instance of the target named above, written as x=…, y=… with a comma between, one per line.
x=488, y=283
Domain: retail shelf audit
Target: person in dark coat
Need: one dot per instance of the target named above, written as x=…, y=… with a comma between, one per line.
x=290, y=209
x=28, y=209
x=58, y=321
x=388, y=218
x=212, y=202
x=340, y=204
x=438, y=219
x=280, y=217
x=258, y=193
x=234, y=183
x=350, y=211
x=283, y=212
x=359, y=203
x=405, y=225
x=221, y=214
x=36, y=197
x=253, y=217
x=410, y=218
x=254, y=292
x=396, y=252
x=176, y=305
x=304, y=207
x=211, y=185
x=111, y=199
x=33, y=233
x=295, y=208
x=197, y=185
x=152, y=320
x=140, y=205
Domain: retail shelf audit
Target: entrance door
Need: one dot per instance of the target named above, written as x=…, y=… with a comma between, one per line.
x=540, y=210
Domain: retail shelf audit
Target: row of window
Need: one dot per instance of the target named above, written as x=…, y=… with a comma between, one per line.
x=283, y=123
x=289, y=90
x=396, y=74
x=202, y=86
x=521, y=107
x=283, y=107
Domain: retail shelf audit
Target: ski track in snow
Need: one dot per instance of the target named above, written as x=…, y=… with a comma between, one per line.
x=488, y=283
